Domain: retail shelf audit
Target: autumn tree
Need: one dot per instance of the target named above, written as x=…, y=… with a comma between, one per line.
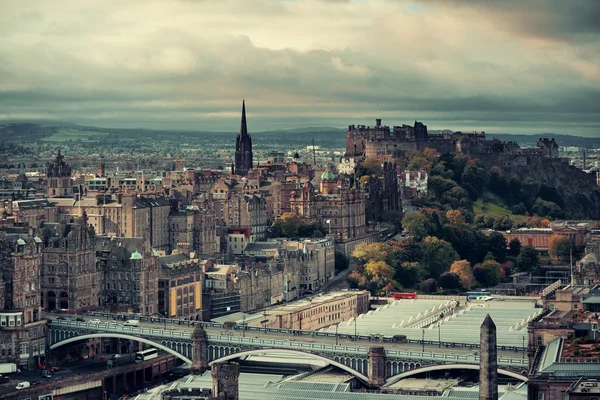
x=462, y=268
x=379, y=272
x=455, y=217
x=366, y=252
x=288, y=225
x=559, y=246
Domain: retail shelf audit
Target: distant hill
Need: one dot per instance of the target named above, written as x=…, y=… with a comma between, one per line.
x=62, y=132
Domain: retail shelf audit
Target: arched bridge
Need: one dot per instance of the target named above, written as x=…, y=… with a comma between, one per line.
x=222, y=348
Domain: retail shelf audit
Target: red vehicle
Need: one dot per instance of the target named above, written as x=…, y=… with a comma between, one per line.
x=399, y=296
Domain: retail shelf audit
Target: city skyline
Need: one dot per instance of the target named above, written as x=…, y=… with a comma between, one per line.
x=509, y=67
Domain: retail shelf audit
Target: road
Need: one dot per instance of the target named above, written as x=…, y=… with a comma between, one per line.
x=316, y=339
x=80, y=367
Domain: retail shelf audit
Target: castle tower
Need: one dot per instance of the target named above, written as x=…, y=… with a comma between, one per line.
x=243, y=148
x=225, y=378
x=377, y=360
x=58, y=173
x=488, y=362
x=200, y=350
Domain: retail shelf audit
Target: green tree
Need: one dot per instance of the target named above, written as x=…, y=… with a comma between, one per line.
x=487, y=273
x=437, y=256
x=288, y=225
x=559, y=246
x=497, y=245
x=408, y=274
x=449, y=280
x=341, y=261
x=528, y=259
x=417, y=224
x=515, y=246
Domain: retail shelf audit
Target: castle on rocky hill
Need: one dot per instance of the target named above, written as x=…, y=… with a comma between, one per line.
x=381, y=140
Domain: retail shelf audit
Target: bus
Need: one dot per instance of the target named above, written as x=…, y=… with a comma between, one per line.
x=146, y=355
x=479, y=294
x=400, y=296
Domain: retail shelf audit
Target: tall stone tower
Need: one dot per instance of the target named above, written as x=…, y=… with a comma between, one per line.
x=200, y=350
x=377, y=360
x=243, y=148
x=488, y=362
x=58, y=173
x=225, y=380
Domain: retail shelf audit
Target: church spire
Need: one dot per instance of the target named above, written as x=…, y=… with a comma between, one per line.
x=244, y=127
x=243, y=148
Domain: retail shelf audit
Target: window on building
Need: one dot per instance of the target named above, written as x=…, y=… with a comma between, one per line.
x=539, y=341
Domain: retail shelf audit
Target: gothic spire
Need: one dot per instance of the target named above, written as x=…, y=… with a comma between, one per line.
x=244, y=128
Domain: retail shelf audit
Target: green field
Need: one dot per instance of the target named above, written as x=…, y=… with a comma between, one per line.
x=67, y=134
x=496, y=209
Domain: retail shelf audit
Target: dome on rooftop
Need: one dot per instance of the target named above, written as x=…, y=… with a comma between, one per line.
x=136, y=256
x=328, y=176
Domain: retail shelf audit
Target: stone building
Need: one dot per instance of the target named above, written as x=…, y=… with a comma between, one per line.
x=58, y=173
x=22, y=327
x=130, y=272
x=313, y=260
x=180, y=286
x=70, y=280
x=123, y=215
x=317, y=312
x=194, y=230
x=336, y=206
x=30, y=212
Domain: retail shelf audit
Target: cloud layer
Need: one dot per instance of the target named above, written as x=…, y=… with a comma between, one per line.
x=514, y=65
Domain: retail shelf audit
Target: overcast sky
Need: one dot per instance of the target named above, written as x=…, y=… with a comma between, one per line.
x=503, y=66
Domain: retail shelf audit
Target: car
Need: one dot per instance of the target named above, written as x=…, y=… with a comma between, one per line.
x=115, y=357
x=94, y=321
x=79, y=319
x=60, y=318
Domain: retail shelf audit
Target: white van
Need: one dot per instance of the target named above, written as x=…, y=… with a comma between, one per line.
x=132, y=322
x=23, y=385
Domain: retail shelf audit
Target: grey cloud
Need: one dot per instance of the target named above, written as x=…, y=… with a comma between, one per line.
x=553, y=19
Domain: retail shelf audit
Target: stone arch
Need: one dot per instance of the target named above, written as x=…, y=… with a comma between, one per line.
x=121, y=336
x=443, y=367
x=294, y=352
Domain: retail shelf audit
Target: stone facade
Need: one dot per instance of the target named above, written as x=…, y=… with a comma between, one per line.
x=22, y=328
x=316, y=313
x=180, y=286
x=58, y=173
x=70, y=279
x=314, y=261
x=129, y=274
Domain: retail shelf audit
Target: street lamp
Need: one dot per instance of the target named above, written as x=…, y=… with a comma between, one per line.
x=243, y=326
x=336, y=333
x=423, y=340
x=439, y=335
x=355, y=320
x=164, y=320
x=523, y=348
